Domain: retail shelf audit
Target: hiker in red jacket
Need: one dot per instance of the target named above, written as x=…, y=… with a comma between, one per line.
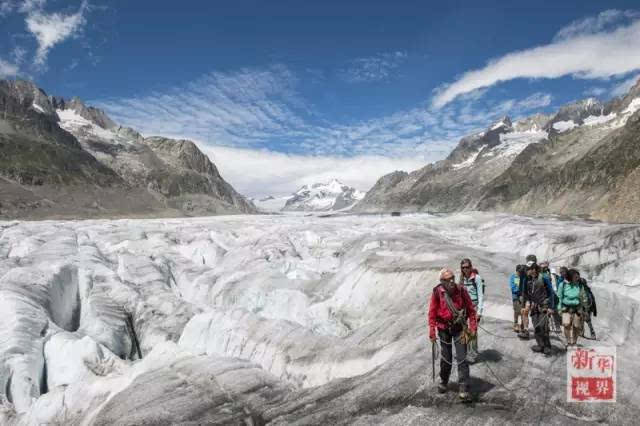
x=452, y=313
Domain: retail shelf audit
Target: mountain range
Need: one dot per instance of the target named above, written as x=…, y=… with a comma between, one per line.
x=62, y=159
x=583, y=160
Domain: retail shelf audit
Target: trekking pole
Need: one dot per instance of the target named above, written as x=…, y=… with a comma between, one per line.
x=433, y=361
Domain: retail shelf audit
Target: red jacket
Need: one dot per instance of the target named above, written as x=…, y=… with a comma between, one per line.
x=439, y=314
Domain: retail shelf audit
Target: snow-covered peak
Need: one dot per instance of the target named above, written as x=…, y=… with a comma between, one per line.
x=534, y=123
x=333, y=195
x=504, y=122
x=77, y=125
x=94, y=115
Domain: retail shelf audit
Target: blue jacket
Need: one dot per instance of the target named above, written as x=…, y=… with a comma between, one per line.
x=514, y=282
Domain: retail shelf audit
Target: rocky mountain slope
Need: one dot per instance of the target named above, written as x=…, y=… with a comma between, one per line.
x=584, y=160
x=333, y=195
x=63, y=159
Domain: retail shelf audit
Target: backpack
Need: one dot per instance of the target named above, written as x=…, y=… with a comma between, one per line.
x=475, y=285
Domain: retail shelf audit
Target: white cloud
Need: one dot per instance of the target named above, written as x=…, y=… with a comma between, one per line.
x=50, y=29
x=578, y=51
x=623, y=87
x=257, y=172
x=595, y=24
x=373, y=68
x=8, y=69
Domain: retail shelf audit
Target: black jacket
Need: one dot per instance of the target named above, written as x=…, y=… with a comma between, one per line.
x=539, y=292
x=592, y=299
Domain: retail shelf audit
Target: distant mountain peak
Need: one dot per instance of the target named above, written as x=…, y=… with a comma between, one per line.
x=505, y=121
x=323, y=196
x=91, y=114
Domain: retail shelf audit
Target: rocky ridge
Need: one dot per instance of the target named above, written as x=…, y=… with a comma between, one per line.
x=62, y=158
x=583, y=161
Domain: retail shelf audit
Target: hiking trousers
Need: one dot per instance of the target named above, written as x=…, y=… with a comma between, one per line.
x=572, y=324
x=541, y=328
x=448, y=341
x=517, y=313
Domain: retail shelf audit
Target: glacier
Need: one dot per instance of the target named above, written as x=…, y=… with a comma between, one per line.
x=291, y=319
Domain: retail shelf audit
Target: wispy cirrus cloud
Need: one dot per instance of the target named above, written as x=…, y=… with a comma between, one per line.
x=237, y=109
x=257, y=120
x=592, y=48
x=262, y=109
x=373, y=68
x=594, y=24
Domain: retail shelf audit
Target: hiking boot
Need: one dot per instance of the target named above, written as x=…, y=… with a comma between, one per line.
x=524, y=334
x=536, y=348
x=547, y=351
x=442, y=387
x=516, y=328
x=464, y=396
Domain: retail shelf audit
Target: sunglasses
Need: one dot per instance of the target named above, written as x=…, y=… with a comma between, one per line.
x=466, y=267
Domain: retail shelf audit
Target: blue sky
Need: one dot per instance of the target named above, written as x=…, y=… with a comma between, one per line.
x=282, y=93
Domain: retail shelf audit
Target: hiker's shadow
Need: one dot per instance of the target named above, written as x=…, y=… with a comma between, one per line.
x=480, y=386
x=477, y=387
x=489, y=355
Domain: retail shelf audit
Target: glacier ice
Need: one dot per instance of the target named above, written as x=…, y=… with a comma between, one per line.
x=288, y=319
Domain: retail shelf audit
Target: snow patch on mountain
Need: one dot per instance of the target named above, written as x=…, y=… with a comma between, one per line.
x=74, y=123
x=469, y=161
x=594, y=120
x=512, y=144
x=563, y=126
x=633, y=106
x=38, y=108
x=323, y=197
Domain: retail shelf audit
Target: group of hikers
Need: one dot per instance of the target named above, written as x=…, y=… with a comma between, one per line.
x=552, y=301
